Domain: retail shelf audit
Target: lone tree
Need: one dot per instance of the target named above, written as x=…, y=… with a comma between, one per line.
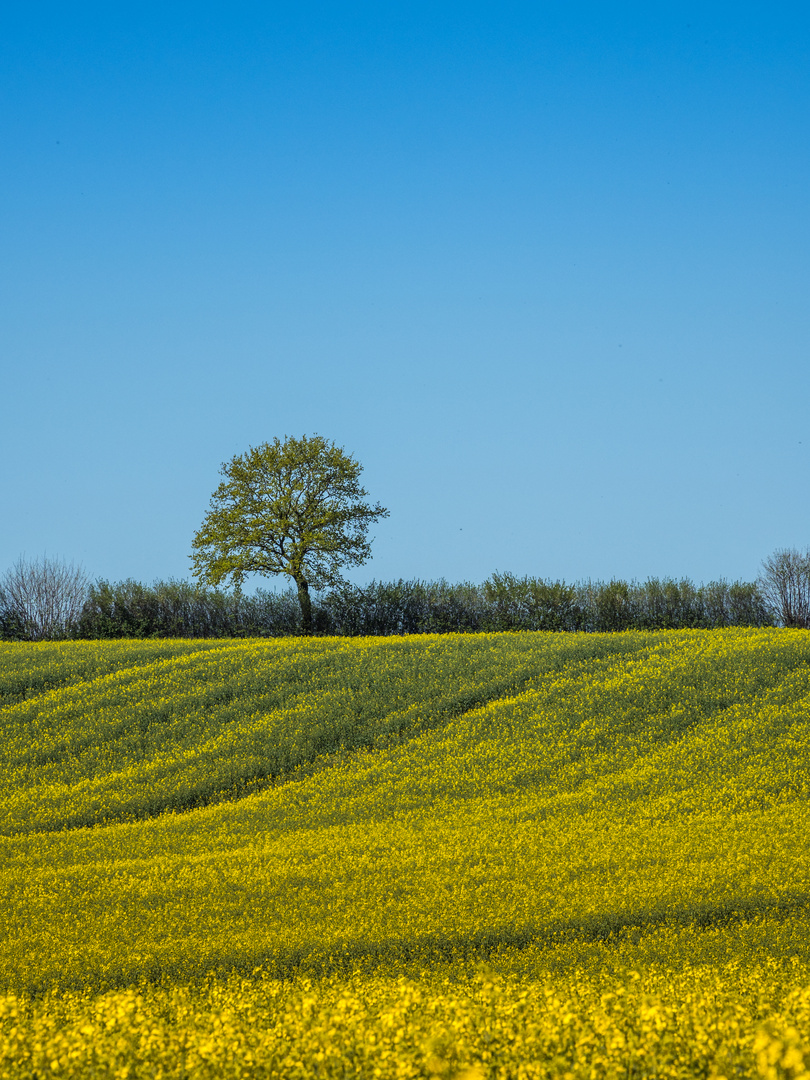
x=292, y=508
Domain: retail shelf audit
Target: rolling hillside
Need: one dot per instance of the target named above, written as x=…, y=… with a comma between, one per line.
x=481, y=855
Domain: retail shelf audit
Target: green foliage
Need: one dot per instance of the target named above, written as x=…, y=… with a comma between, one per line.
x=294, y=508
x=128, y=609
x=530, y=604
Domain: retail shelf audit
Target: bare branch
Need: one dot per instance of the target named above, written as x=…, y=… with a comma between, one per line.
x=45, y=596
x=785, y=584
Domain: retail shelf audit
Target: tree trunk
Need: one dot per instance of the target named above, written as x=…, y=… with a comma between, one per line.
x=306, y=604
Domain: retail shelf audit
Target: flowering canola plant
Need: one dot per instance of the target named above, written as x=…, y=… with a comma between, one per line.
x=463, y=855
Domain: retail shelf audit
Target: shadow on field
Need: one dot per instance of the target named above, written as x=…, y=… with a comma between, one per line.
x=384, y=732
x=610, y=941
x=475, y=949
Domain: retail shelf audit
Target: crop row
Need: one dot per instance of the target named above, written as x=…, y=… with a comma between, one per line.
x=531, y=855
x=720, y=1021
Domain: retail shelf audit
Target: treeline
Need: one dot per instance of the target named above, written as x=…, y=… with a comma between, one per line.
x=504, y=602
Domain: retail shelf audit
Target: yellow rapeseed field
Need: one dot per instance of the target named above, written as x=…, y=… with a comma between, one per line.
x=494, y=855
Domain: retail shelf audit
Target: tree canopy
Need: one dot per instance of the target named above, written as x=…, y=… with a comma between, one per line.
x=294, y=507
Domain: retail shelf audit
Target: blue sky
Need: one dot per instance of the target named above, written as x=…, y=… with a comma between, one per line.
x=542, y=268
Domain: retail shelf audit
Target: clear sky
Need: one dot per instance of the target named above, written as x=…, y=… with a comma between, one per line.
x=543, y=268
